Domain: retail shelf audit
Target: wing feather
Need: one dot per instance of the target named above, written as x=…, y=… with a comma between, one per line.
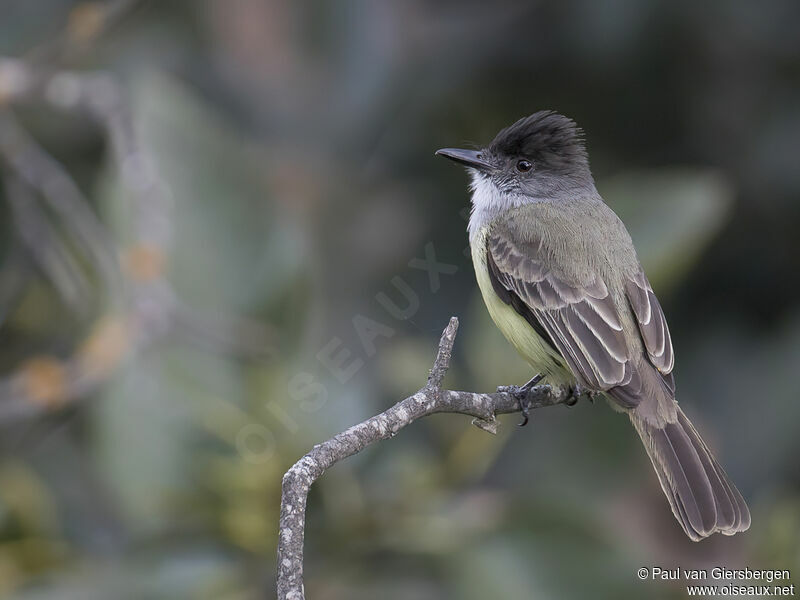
x=580, y=319
x=652, y=325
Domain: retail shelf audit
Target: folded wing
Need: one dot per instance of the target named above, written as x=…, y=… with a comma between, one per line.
x=580, y=319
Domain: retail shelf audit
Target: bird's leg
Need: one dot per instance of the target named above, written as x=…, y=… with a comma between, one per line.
x=520, y=392
x=576, y=392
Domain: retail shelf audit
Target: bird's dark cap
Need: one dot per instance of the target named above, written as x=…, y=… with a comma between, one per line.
x=545, y=137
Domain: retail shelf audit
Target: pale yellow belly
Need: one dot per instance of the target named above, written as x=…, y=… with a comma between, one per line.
x=531, y=346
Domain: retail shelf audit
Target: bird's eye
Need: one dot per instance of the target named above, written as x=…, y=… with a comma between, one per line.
x=523, y=166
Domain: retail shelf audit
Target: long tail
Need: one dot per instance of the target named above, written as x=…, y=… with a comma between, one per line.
x=702, y=497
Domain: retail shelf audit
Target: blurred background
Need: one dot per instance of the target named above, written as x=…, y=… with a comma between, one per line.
x=205, y=206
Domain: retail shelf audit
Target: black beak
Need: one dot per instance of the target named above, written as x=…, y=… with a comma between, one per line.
x=470, y=158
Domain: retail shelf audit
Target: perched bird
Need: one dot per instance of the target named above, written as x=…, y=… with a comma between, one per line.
x=561, y=280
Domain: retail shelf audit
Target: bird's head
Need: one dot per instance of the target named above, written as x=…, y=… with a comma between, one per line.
x=540, y=156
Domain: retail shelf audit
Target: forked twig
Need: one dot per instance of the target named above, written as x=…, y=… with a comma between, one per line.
x=431, y=399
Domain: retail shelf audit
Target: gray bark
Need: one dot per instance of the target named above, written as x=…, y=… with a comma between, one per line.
x=431, y=399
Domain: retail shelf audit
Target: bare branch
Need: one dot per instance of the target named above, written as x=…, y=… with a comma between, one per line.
x=38, y=170
x=431, y=399
x=142, y=307
x=46, y=247
x=442, y=362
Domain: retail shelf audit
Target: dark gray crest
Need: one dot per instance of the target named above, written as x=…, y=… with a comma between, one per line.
x=551, y=141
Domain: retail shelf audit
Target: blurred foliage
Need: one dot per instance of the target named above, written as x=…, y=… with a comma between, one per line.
x=296, y=140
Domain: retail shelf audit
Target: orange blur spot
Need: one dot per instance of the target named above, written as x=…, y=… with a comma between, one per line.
x=44, y=380
x=144, y=263
x=106, y=345
x=85, y=21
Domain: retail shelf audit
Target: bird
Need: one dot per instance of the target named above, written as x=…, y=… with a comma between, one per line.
x=561, y=279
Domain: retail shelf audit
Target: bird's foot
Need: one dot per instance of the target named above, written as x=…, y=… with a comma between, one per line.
x=576, y=392
x=520, y=392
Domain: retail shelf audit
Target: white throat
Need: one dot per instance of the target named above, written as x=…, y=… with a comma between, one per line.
x=488, y=202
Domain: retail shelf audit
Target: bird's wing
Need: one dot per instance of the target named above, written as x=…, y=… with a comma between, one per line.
x=652, y=326
x=580, y=319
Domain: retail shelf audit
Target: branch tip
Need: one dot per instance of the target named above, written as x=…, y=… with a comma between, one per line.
x=442, y=362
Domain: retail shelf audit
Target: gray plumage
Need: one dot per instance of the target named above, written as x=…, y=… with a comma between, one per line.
x=549, y=250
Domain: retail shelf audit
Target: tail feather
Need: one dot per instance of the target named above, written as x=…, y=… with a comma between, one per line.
x=732, y=512
x=703, y=499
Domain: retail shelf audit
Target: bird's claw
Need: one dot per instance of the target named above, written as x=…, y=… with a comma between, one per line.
x=576, y=392
x=520, y=392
